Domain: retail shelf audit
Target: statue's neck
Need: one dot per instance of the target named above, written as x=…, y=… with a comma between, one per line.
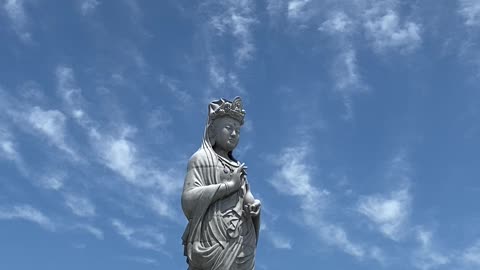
x=221, y=152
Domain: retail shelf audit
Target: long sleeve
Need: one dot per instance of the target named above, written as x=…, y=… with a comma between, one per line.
x=198, y=191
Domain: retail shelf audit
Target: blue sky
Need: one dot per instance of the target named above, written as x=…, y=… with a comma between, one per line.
x=361, y=135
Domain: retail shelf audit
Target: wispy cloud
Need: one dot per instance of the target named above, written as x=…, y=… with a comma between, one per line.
x=345, y=71
x=162, y=207
x=18, y=17
x=279, y=241
x=296, y=9
x=385, y=31
x=294, y=178
x=88, y=6
x=142, y=260
x=347, y=79
x=116, y=149
x=338, y=22
x=159, y=118
x=145, y=238
x=45, y=125
x=51, y=123
x=53, y=181
x=96, y=232
x=426, y=256
x=237, y=19
x=28, y=213
x=389, y=213
x=9, y=151
x=182, y=96
x=231, y=23
x=80, y=206
x=121, y=155
x=470, y=10
x=471, y=256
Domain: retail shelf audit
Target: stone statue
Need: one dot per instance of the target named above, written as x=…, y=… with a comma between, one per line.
x=223, y=216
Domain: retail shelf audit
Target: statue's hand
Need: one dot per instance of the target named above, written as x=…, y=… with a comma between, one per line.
x=237, y=178
x=254, y=208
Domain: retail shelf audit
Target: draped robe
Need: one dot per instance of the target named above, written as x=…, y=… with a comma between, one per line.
x=219, y=234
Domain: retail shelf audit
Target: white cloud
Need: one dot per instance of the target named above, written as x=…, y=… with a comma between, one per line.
x=347, y=79
x=235, y=18
x=229, y=23
x=279, y=241
x=216, y=73
x=142, y=260
x=470, y=10
x=16, y=13
x=91, y=230
x=52, y=181
x=145, y=238
x=26, y=212
x=386, y=31
x=120, y=155
x=241, y=25
x=50, y=123
x=346, y=72
x=115, y=149
x=338, y=23
x=296, y=8
x=389, y=213
x=70, y=92
x=426, y=256
x=159, y=118
x=240, y=16
x=183, y=97
x=80, y=206
x=88, y=6
x=162, y=207
x=294, y=178
x=471, y=255
x=8, y=150
x=378, y=254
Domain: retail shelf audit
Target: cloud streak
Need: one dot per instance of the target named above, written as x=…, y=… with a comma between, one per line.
x=51, y=123
x=426, y=256
x=28, y=213
x=389, y=213
x=15, y=11
x=385, y=31
x=294, y=179
x=145, y=238
x=470, y=10
x=80, y=206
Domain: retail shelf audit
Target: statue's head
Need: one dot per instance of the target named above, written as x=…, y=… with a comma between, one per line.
x=224, y=121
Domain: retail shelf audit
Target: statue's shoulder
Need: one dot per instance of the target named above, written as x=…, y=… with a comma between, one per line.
x=198, y=158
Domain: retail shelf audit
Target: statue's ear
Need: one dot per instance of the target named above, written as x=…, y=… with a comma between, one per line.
x=212, y=141
x=211, y=134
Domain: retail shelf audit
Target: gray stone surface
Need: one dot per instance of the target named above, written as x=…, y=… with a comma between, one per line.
x=223, y=216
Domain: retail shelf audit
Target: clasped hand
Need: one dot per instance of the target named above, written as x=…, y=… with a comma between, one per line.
x=237, y=178
x=254, y=208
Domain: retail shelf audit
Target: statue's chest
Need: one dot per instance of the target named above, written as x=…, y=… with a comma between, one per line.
x=224, y=172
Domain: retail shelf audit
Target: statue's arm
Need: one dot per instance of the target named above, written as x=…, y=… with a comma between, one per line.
x=196, y=193
x=255, y=215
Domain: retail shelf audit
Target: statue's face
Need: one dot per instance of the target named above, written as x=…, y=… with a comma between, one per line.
x=227, y=133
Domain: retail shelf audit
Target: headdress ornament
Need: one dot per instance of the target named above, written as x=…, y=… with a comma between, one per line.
x=223, y=107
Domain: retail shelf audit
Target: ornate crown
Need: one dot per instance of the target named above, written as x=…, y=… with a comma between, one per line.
x=223, y=107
